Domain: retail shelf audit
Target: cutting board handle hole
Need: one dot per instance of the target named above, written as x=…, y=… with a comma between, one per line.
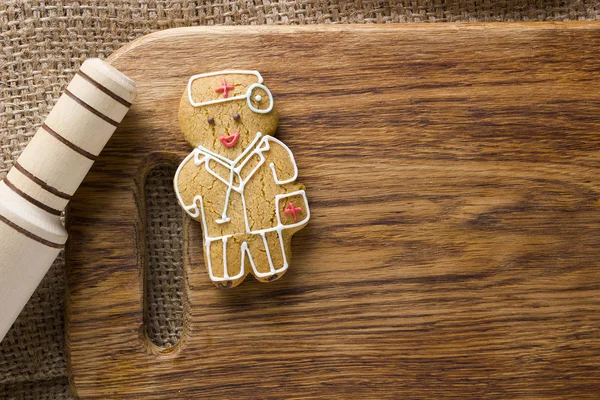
x=164, y=280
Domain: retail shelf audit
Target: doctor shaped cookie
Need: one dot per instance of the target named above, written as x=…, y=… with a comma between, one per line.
x=239, y=182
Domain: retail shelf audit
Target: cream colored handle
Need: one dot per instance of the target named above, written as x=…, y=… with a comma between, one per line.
x=48, y=172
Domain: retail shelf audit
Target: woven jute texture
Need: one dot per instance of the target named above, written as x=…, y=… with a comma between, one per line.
x=43, y=43
x=164, y=284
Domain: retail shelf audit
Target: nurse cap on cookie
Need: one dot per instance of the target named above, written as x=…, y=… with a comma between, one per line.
x=231, y=85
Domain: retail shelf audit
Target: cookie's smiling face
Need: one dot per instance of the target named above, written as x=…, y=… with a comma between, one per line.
x=229, y=127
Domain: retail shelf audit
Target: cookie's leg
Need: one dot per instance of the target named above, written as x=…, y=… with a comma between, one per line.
x=224, y=262
x=267, y=255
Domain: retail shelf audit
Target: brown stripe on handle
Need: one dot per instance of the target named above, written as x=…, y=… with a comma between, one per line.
x=69, y=144
x=40, y=182
x=90, y=108
x=29, y=234
x=30, y=199
x=104, y=89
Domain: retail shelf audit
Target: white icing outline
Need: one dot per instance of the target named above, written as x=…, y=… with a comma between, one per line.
x=249, y=101
x=259, y=145
x=246, y=96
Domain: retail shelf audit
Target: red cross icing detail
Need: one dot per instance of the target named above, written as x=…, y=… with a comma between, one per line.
x=292, y=210
x=223, y=89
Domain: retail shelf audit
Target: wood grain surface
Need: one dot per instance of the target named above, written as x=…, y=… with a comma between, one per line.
x=453, y=251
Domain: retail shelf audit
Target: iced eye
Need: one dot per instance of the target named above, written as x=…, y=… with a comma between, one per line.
x=258, y=98
x=236, y=116
x=211, y=120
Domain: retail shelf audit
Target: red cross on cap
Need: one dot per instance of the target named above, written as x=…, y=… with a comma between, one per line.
x=224, y=88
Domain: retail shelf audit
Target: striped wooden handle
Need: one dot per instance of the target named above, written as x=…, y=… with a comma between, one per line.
x=48, y=172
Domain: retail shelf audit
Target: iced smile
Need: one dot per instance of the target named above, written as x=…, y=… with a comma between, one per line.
x=231, y=140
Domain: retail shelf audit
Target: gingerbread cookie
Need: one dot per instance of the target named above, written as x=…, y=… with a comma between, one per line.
x=239, y=182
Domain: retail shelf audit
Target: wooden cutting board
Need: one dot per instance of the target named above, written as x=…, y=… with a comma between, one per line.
x=453, y=176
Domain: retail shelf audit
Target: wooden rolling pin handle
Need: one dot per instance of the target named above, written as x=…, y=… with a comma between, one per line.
x=38, y=187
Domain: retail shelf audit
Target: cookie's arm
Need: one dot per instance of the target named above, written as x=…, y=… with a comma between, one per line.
x=188, y=200
x=282, y=162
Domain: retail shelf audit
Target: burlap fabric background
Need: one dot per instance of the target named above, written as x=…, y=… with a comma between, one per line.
x=44, y=43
